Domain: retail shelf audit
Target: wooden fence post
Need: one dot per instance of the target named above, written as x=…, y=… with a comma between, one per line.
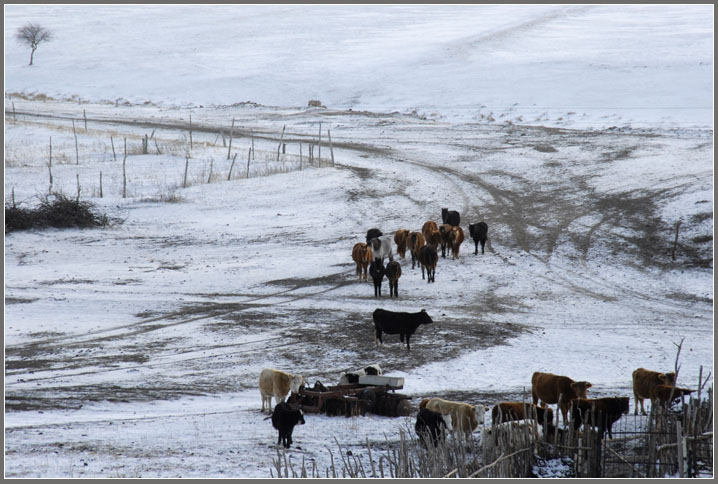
x=186, y=167
x=331, y=149
x=319, y=155
x=14, y=118
x=300, y=156
x=248, y=157
x=77, y=152
x=231, y=166
x=100, y=183
x=84, y=115
x=253, y=143
x=231, y=135
x=190, y=131
x=280, y=141
x=124, y=172
x=113, y=148
x=211, y=165
x=49, y=168
x=78, y=187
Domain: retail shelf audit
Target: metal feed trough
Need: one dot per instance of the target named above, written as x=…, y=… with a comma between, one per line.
x=373, y=393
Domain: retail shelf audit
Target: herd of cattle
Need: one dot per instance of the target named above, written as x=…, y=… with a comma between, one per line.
x=437, y=417
x=423, y=246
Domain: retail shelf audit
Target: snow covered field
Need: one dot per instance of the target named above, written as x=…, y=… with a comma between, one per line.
x=580, y=134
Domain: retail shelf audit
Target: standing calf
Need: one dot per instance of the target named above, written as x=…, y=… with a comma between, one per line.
x=428, y=257
x=393, y=273
x=284, y=418
x=415, y=242
x=377, y=271
x=479, y=232
x=362, y=255
x=400, y=239
x=457, y=238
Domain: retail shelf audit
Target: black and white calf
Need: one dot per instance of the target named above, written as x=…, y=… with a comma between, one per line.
x=403, y=324
x=381, y=246
x=348, y=377
x=284, y=418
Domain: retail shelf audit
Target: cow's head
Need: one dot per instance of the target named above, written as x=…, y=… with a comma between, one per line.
x=623, y=404
x=296, y=384
x=425, y=318
x=667, y=378
x=580, y=388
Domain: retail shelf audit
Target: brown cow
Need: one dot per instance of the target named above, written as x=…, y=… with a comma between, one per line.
x=456, y=237
x=643, y=383
x=433, y=238
x=428, y=227
x=445, y=231
x=400, y=239
x=550, y=388
x=362, y=255
x=415, y=242
x=661, y=394
x=505, y=411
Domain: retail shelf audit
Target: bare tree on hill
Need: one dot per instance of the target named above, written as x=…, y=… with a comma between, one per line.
x=33, y=35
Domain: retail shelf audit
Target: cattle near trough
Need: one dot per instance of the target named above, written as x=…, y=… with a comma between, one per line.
x=450, y=217
x=456, y=238
x=479, y=233
x=550, y=389
x=400, y=239
x=277, y=384
x=598, y=412
x=362, y=256
x=381, y=246
x=445, y=231
x=415, y=242
x=377, y=272
x=428, y=257
x=464, y=417
x=393, y=273
x=431, y=426
x=373, y=234
x=345, y=378
x=506, y=411
x=401, y=323
x=644, y=382
x=284, y=419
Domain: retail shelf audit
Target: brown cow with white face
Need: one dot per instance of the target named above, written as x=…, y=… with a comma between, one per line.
x=550, y=388
x=644, y=382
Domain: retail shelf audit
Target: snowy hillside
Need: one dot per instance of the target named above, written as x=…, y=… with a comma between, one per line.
x=581, y=134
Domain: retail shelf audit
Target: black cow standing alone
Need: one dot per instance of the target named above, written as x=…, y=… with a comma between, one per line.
x=377, y=272
x=479, y=233
x=373, y=234
x=450, y=217
x=430, y=425
x=284, y=418
x=403, y=324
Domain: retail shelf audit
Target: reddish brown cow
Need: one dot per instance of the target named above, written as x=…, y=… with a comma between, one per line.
x=433, y=238
x=456, y=237
x=400, y=238
x=661, y=394
x=362, y=255
x=643, y=383
x=550, y=388
x=505, y=411
x=445, y=231
x=415, y=243
x=428, y=227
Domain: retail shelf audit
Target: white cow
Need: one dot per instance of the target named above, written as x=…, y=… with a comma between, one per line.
x=381, y=246
x=277, y=384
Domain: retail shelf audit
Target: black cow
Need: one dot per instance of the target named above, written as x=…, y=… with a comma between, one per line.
x=479, y=233
x=598, y=412
x=450, y=217
x=377, y=272
x=428, y=257
x=403, y=324
x=284, y=418
x=373, y=234
x=393, y=273
x=430, y=425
